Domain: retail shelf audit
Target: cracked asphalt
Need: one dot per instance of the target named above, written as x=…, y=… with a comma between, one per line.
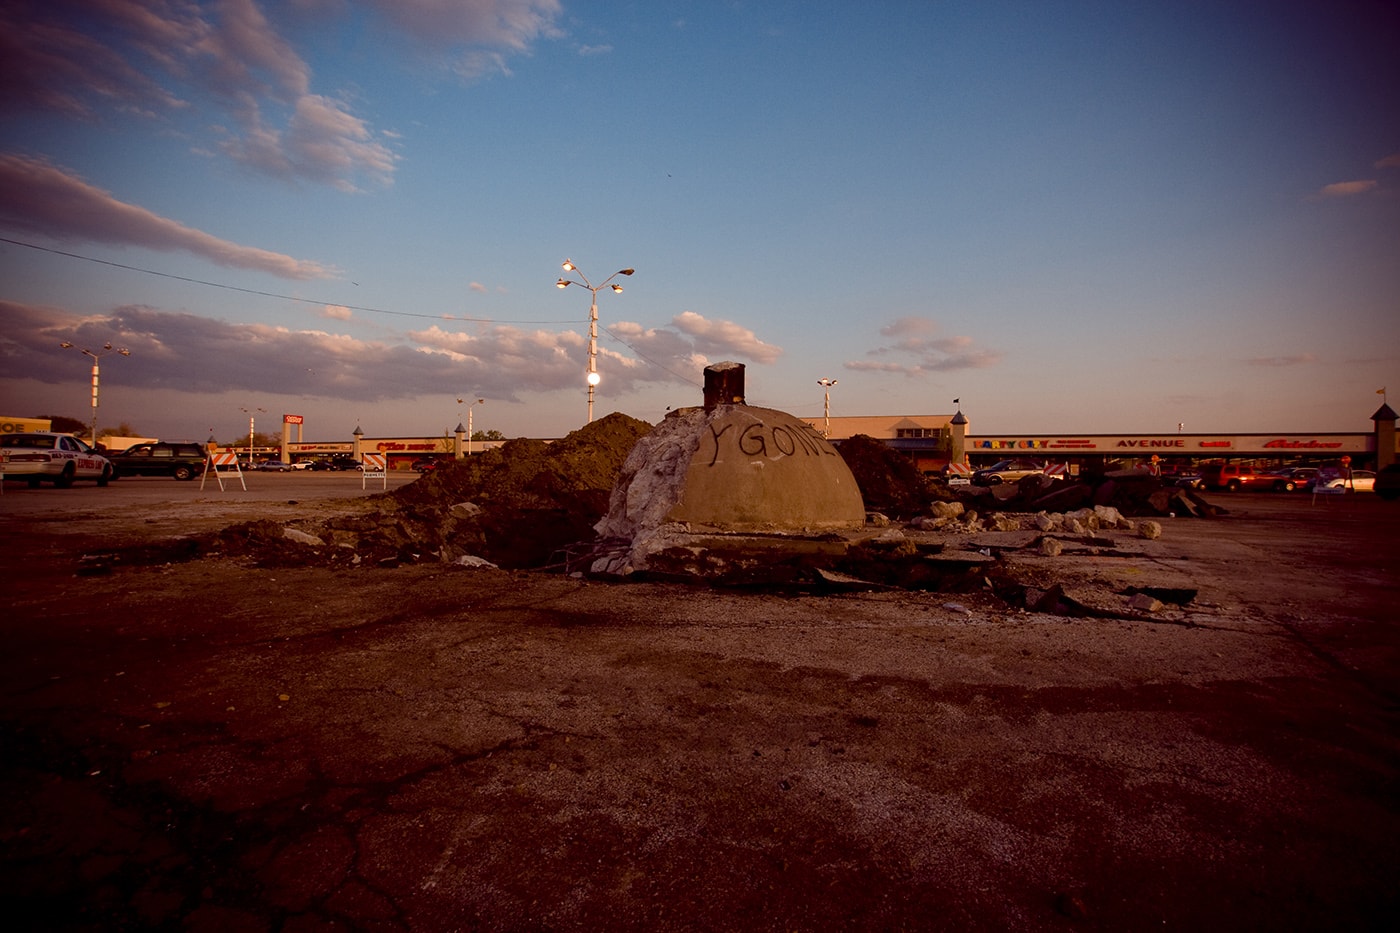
x=212, y=746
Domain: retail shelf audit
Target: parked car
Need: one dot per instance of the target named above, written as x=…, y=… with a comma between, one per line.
x=426, y=464
x=61, y=459
x=1185, y=479
x=182, y=461
x=336, y=463
x=1293, y=478
x=301, y=464
x=1387, y=482
x=1360, y=480
x=275, y=466
x=1007, y=471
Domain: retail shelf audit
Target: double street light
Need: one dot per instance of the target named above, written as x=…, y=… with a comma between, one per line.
x=96, y=355
x=593, y=377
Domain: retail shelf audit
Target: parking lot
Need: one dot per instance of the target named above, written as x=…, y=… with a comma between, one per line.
x=262, y=486
x=214, y=745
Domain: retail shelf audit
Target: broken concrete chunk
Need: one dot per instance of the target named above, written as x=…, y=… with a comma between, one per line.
x=301, y=537
x=946, y=509
x=1051, y=547
x=1108, y=516
x=1144, y=603
x=1150, y=530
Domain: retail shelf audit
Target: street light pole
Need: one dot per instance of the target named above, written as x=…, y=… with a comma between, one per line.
x=826, y=385
x=480, y=401
x=250, y=431
x=97, y=355
x=593, y=377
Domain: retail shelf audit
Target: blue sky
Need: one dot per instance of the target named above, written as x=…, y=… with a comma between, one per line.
x=1075, y=217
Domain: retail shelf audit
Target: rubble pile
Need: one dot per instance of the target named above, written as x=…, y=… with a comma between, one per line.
x=520, y=505
x=606, y=498
x=1131, y=492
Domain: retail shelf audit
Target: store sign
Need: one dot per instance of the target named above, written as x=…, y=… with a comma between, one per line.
x=291, y=419
x=1174, y=442
x=407, y=447
x=1313, y=444
x=1036, y=443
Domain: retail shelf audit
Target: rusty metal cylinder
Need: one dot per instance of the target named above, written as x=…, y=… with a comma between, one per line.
x=724, y=385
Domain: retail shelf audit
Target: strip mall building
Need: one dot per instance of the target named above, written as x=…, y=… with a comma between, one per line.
x=935, y=441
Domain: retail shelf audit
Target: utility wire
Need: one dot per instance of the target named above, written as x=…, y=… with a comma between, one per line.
x=661, y=366
x=253, y=291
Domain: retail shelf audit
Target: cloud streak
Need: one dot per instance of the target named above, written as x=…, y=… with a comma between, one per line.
x=913, y=338
x=36, y=197
x=1295, y=360
x=1348, y=189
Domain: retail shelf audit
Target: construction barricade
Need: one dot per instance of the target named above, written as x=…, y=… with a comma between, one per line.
x=374, y=466
x=222, y=464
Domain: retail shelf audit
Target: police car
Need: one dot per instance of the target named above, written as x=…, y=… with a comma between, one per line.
x=59, y=458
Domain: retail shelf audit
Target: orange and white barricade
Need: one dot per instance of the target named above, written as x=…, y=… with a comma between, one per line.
x=221, y=463
x=374, y=466
x=1060, y=470
x=959, y=474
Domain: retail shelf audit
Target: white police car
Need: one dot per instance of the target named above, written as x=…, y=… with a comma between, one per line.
x=59, y=458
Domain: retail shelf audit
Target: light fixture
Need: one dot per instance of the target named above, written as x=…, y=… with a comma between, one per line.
x=97, y=355
x=826, y=384
x=592, y=374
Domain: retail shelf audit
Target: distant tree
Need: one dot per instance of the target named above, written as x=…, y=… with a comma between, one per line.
x=491, y=435
x=121, y=430
x=65, y=425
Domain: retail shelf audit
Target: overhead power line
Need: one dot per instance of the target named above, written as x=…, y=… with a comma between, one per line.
x=254, y=291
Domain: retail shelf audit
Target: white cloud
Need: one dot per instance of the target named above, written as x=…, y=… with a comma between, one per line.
x=238, y=75
x=725, y=337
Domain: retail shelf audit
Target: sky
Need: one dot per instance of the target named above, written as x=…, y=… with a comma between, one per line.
x=1072, y=217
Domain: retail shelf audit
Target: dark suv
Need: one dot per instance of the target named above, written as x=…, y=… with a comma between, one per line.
x=336, y=463
x=182, y=461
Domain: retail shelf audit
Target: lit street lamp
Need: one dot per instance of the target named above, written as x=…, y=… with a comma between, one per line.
x=106, y=348
x=826, y=385
x=593, y=377
x=250, y=412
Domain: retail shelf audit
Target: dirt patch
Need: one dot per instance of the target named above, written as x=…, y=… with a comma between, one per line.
x=211, y=744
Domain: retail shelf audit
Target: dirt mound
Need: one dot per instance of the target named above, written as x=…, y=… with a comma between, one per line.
x=525, y=504
x=888, y=479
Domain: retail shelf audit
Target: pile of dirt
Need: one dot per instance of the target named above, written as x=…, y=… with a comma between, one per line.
x=522, y=505
x=888, y=480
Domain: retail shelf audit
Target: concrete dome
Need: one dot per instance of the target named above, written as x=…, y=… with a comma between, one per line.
x=733, y=468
